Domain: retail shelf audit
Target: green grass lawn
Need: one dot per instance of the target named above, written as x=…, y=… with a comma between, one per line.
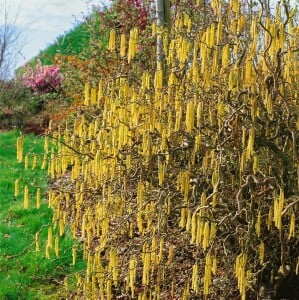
x=24, y=272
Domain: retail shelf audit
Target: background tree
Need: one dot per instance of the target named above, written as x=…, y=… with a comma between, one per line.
x=9, y=37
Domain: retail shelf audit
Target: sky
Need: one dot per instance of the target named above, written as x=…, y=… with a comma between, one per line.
x=40, y=22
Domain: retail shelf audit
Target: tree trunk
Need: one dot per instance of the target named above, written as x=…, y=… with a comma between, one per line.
x=163, y=21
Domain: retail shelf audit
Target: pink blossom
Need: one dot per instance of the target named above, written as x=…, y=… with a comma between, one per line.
x=42, y=79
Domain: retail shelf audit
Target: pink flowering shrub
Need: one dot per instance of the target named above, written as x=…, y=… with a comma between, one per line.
x=42, y=79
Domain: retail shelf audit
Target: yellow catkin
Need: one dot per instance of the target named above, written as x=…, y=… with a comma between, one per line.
x=50, y=237
x=158, y=79
x=65, y=282
x=297, y=267
x=38, y=196
x=154, y=29
x=44, y=162
x=86, y=94
x=249, y=79
x=132, y=44
x=108, y=290
x=20, y=148
x=278, y=207
x=190, y=116
x=215, y=178
x=140, y=194
x=46, y=144
x=183, y=217
x=261, y=252
x=275, y=211
x=47, y=251
x=100, y=93
x=225, y=56
x=232, y=79
x=250, y=145
x=254, y=108
x=146, y=265
x=161, y=172
x=61, y=226
x=112, y=40
x=292, y=226
x=195, y=68
x=113, y=263
x=34, y=162
x=258, y=224
x=219, y=32
x=206, y=236
x=170, y=255
x=220, y=112
x=17, y=187
x=122, y=45
x=26, y=197
x=51, y=169
x=213, y=230
x=214, y=265
x=57, y=246
x=193, y=228
x=208, y=275
x=74, y=254
x=37, y=242
x=235, y=6
x=160, y=255
x=255, y=166
x=195, y=279
x=242, y=162
x=241, y=23
x=203, y=198
x=240, y=271
x=188, y=221
x=132, y=275
x=93, y=96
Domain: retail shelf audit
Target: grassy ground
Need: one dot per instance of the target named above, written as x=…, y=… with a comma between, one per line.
x=24, y=272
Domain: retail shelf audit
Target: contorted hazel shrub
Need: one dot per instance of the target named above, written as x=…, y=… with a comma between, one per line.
x=42, y=79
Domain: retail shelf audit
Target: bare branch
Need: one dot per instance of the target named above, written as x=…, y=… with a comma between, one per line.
x=9, y=36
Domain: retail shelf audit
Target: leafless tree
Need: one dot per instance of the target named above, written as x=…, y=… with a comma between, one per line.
x=9, y=38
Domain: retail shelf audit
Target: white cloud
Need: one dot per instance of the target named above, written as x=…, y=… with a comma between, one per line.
x=41, y=21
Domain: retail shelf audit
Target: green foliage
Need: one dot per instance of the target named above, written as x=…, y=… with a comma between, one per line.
x=25, y=273
x=18, y=104
x=13, y=104
x=75, y=42
x=12, y=93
